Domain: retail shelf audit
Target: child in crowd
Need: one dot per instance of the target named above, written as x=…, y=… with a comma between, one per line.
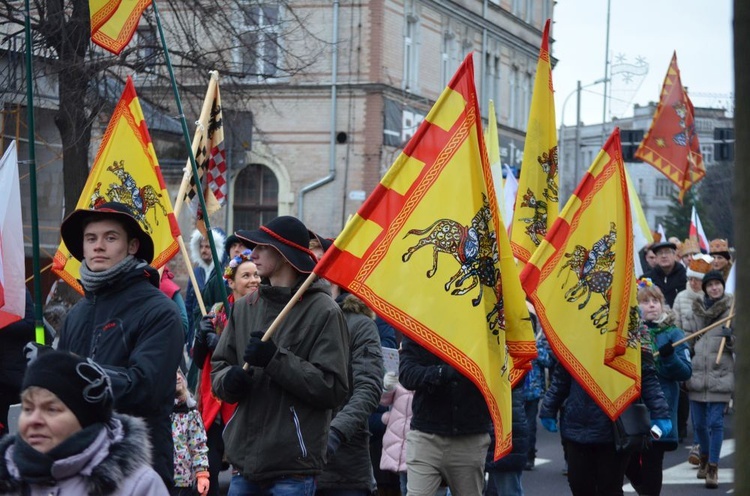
x=189, y=439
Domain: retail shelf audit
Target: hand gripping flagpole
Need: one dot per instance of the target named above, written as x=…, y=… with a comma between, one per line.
x=38, y=317
x=191, y=155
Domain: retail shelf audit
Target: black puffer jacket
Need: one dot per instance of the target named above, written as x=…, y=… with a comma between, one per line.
x=134, y=331
x=583, y=421
x=350, y=466
x=516, y=459
x=448, y=408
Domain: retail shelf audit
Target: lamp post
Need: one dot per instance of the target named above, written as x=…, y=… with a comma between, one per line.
x=562, y=146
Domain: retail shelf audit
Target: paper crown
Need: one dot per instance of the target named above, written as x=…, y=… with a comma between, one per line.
x=718, y=246
x=689, y=247
x=698, y=266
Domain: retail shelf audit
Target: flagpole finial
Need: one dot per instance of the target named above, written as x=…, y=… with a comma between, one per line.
x=214, y=75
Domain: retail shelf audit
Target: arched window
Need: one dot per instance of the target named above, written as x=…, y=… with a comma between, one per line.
x=256, y=197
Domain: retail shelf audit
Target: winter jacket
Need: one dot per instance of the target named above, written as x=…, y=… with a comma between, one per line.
x=134, y=331
x=396, y=420
x=202, y=271
x=534, y=382
x=670, y=284
x=452, y=407
x=116, y=463
x=711, y=382
x=13, y=338
x=350, y=466
x=685, y=319
x=189, y=439
x=281, y=425
x=517, y=458
x=671, y=370
x=583, y=421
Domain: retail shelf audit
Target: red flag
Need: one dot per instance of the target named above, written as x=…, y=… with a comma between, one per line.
x=671, y=144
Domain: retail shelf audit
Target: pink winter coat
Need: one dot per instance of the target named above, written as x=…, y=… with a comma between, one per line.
x=397, y=421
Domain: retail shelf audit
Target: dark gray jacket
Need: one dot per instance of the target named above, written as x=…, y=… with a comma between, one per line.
x=281, y=426
x=350, y=466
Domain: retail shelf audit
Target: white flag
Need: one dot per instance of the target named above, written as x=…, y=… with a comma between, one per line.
x=12, y=266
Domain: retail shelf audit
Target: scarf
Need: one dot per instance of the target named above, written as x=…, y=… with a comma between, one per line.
x=93, y=281
x=35, y=467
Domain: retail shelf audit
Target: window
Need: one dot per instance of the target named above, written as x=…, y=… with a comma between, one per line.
x=256, y=197
x=260, y=43
x=492, y=78
x=147, y=46
x=525, y=101
x=663, y=188
x=449, y=58
x=513, y=118
x=411, y=52
x=708, y=153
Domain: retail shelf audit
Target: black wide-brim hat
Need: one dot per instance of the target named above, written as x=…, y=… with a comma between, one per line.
x=325, y=243
x=72, y=228
x=289, y=236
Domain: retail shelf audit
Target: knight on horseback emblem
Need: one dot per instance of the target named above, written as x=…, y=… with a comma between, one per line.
x=139, y=199
x=594, y=271
x=474, y=247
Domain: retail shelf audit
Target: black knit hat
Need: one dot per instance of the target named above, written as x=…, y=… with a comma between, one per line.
x=74, y=224
x=289, y=236
x=79, y=383
x=713, y=275
x=232, y=239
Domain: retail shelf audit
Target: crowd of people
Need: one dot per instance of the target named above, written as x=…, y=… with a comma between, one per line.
x=142, y=394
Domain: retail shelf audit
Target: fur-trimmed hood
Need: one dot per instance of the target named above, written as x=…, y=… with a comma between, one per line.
x=715, y=311
x=195, y=248
x=351, y=304
x=124, y=444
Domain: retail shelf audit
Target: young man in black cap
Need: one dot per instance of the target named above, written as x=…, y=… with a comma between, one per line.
x=278, y=436
x=124, y=322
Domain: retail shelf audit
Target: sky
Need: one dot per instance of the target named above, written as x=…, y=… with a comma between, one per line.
x=641, y=31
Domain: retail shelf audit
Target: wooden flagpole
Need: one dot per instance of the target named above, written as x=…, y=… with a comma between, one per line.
x=724, y=339
x=702, y=331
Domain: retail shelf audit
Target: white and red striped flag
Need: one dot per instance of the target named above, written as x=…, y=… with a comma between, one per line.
x=696, y=231
x=12, y=291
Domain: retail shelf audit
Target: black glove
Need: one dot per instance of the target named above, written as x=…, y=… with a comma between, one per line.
x=237, y=382
x=258, y=352
x=446, y=374
x=33, y=350
x=212, y=339
x=666, y=350
x=334, y=441
x=726, y=332
x=205, y=327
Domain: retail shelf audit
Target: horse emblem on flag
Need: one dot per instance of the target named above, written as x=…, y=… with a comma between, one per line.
x=474, y=247
x=139, y=199
x=548, y=163
x=594, y=271
x=537, y=224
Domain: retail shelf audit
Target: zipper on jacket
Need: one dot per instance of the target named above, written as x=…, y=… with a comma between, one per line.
x=298, y=428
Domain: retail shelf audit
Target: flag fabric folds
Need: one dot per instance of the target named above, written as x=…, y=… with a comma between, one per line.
x=671, y=144
x=581, y=281
x=126, y=170
x=509, y=194
x=12, y=263
x=537, y=202
x=696, y=232
x=641, y=232
x=210, y=157
x=113, y=22
x=431, y=267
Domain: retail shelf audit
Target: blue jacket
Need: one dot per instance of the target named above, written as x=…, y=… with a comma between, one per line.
x=534, y=382
x=670, y=370
x=582, y=420
x=516, y=459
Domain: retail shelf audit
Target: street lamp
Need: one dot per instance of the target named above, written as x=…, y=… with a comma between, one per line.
x=577, y=150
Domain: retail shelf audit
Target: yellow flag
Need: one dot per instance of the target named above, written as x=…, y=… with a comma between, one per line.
x=126, y=170
x=113, y=22
x=431, y=267
x=582, y=284
x=537, y=202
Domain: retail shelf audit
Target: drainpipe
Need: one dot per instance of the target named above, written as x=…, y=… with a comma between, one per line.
x=334, y=78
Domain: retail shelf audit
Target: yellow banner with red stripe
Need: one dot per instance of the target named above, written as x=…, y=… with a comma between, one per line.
x=423, y=252
x=113, y=22
x=537, y=201
x=126, y=170
x=581, y=281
